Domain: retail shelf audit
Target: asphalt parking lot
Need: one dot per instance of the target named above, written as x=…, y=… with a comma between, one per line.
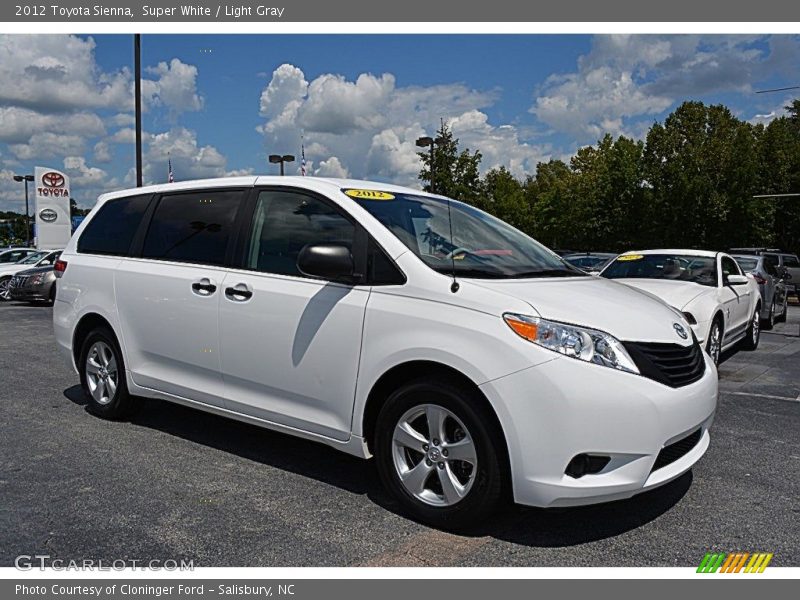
x=176, y=483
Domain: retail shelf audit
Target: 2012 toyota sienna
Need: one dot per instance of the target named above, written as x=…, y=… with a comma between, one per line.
x=466, y=358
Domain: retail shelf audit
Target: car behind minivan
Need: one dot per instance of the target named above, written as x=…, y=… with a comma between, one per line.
x=471, y=362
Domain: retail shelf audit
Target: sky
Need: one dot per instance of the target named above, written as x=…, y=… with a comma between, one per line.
x=218, y=105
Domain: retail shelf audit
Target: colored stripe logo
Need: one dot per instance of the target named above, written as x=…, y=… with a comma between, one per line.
x=735, y=562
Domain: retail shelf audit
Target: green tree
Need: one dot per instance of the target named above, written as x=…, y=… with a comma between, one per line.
x=504, y=197
x=456, y=173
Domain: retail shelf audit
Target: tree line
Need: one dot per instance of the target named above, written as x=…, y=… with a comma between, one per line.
x=688, y=184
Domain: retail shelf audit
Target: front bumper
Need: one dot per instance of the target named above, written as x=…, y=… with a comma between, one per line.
x=552, y=412
x=38, y=293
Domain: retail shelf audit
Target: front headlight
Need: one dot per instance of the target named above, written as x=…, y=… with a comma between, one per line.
x=36, y=279
x=584, y=344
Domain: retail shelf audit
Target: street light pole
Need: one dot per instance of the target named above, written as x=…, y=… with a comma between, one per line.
x=137, y=90
x=26, y=179
x=425, y=142
x=280, y=159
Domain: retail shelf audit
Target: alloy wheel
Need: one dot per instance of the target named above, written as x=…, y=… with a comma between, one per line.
x=5, y=289
x=434, y=455
x=102, y=375
x=715, y=343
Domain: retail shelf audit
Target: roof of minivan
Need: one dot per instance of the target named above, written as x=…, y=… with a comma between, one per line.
x=252, y=180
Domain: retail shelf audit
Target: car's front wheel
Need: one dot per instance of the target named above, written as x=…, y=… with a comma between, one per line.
x=751, y=338
x=5, y=289
x=102, y=373
x=438, y=453
x=714, y=344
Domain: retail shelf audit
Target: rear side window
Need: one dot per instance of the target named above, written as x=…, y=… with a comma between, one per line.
x=112, y=229
x=192, y=227
x=791, y=261
x=285, y=222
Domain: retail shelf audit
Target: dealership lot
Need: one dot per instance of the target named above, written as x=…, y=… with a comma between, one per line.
x=175, y=483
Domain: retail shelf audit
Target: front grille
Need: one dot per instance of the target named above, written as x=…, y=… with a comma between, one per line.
x=670, y=364
x=669, y=454
x=18, y=281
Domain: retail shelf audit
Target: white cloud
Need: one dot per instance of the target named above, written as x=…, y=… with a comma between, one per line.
x=174, y=88
x=190, y=160
x=367, y=127
x=82, y=174
x=103, y=152
x=18, y=125
x=625, y=77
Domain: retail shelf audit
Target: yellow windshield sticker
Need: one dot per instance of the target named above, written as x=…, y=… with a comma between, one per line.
x=630, y=257
x=369, y=195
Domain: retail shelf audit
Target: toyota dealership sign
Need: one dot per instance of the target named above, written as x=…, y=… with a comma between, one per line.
x=53, y=223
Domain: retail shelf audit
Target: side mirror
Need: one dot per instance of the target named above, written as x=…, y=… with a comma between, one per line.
x=333, y=262
x=736, y=280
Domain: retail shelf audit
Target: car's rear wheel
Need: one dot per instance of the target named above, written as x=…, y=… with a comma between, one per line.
x=769, y=322
x=781, y=318
x=5, y=289
x=753, y=335
x=438, y=453
x=714, y=344
x=102, y=373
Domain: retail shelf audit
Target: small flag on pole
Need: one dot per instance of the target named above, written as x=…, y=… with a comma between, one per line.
x=302, y=156
x=171, y=175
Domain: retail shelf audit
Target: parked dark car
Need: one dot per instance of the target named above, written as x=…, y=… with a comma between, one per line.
x=770, y=278
x=34, y=285
x=591, y=262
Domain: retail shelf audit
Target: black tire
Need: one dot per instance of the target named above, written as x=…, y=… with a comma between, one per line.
x=4, y=291
x=119, y=404
x=715, y=352
x=781, y=318
x=486, y=490
x=52, y=295
x=753, y=335
x=769, y=322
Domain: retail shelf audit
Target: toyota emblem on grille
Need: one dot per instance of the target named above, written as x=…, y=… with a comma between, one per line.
x=680, y=330
x=53, y=179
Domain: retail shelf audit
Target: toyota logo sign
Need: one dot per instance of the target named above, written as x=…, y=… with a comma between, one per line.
x=48, y=215
x=53, y=179
x=680, y=330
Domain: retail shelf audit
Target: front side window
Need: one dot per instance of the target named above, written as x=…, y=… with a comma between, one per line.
x=676, y=267
x=480, y=246
x=285, y=222
x=50, y=259
x=791, y=261
x=729, y=267
x=192, y=227
x=111, y=230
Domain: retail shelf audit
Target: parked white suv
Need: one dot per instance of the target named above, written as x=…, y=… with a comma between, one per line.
x=383, y=321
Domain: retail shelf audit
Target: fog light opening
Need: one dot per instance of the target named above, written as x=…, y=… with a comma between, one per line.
x=586, y=464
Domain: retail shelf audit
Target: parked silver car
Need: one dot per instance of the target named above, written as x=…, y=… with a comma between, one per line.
x=34, y=285
x=785, y=261
x=771, y=283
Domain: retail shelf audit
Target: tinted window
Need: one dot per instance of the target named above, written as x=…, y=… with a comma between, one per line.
x=285, y=222
x=193, y=227
x=381, y=270
x=749, y=264
x=112, y=229
x=791, y=261
x=770, y=265
x=729, y=267
x=13, y=256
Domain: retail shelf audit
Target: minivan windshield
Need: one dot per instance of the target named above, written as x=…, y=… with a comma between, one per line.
x=676, y=267
x=480, y=246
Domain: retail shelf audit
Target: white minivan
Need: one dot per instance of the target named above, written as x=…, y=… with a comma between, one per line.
x=473, y=363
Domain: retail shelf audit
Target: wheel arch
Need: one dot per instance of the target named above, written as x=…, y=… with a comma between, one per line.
x=416, y=369
x=88, y=323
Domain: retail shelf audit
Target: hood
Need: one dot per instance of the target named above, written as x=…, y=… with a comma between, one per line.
x=35, y=270
x=12, y=268
x=624, y=312
x=675, y=293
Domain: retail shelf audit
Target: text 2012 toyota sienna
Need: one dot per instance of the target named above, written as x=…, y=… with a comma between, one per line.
x=387, y=322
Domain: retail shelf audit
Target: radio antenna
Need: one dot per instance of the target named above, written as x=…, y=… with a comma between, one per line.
x=453, y=286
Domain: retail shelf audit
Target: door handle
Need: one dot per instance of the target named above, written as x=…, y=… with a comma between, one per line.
x=241, y=292
x=204, y=287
